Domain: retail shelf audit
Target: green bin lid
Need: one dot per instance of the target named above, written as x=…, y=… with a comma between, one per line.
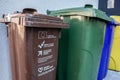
x=88, y=10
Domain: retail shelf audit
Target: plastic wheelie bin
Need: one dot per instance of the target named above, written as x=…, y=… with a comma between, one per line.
x=33, y=40
x=85, y=43
x=106, y=50
x=114, y=63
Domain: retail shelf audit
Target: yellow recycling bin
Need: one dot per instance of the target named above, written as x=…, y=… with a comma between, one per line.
x=114, y=63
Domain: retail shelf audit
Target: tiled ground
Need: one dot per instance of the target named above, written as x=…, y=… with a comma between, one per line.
x=112, y=75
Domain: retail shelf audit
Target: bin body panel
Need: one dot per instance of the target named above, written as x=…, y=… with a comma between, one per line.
x=62, y=52
x=115, y=56
x=106, y=51
x=85, y=47
x=16, y=35
x=63, y=46
x=42, y=48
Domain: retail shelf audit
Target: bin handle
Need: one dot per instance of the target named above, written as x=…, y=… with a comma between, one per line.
x=29, y=11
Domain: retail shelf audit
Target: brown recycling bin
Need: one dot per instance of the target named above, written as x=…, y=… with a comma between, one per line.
x=33, y=40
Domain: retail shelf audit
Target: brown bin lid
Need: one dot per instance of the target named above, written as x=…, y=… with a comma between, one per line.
x=30, y=18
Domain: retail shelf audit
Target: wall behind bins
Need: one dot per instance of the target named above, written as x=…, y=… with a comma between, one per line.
x=5, y=69
x=9, y=6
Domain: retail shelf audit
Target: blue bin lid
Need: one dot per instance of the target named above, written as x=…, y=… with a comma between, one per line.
x=113, y=22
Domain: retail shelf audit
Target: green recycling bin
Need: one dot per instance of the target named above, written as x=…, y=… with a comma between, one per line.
x=85, y=39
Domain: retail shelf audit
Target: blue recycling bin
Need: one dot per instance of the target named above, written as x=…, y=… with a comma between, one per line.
x=106, y=50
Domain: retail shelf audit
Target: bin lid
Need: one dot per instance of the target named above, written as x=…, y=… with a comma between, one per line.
x=30, y=18
x=114, y=22
x=87, y=10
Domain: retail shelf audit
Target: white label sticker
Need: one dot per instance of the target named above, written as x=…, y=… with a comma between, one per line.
x=110, y=4
x=40, y=53
x=45, y=59
x=49, y=45
x=41, y=45
x=45, y=35
x=45, y=45
x=45, y=70
x=44, y=52
x=40, y=70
